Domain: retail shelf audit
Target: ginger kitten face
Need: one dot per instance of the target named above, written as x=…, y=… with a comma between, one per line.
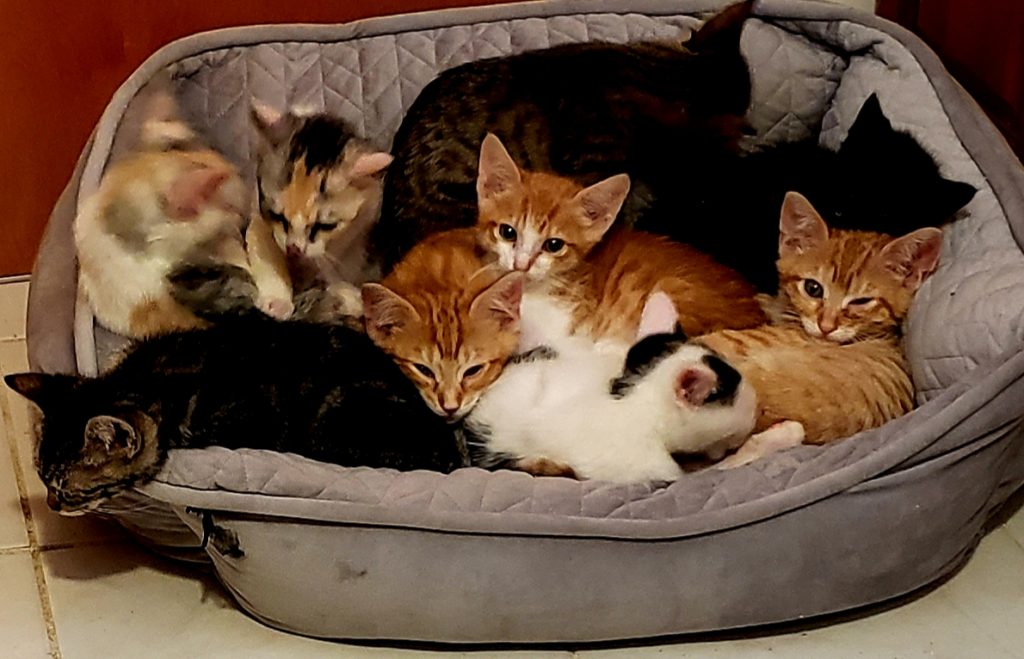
x=451, y=343
x=316, y=179
x=847, y=286
x=539, y=223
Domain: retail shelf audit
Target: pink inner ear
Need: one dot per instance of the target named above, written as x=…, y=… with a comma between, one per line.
x=192, y=192
x=694, y=385
x=659, y=316
x=496, y=172
x=501, y=300
x=602, y=201
x=914, y=257
x=369, y=164
x=384, y=310
x=801, y=228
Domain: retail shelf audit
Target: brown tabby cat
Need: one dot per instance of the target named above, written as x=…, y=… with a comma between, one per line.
x=848, y=285
x=448, y=317
x=840, y=370
x=551, y=228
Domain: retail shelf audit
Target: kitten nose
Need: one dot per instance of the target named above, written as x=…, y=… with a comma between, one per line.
x=827, y=325
x=449, y=409
x=293, y=251
x=522, y=262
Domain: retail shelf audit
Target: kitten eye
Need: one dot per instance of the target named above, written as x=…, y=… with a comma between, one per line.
x=274, y=216
x=813, y=288
x=472, y=370
x=860, y=301
x=507, y=232
x=424, y=370
x=318, y=227
x=554, y=245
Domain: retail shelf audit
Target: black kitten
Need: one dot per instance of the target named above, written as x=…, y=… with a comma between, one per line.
x=588, y=111
x=880, y=180
x=323, y=392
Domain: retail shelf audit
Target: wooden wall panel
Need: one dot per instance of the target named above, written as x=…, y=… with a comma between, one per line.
x=61, y=61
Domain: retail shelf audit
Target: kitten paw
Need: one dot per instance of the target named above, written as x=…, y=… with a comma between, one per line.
x=782, y=435
x=276, y=307
x=544, y=467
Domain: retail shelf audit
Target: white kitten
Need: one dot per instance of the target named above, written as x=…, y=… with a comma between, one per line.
x=614, y=416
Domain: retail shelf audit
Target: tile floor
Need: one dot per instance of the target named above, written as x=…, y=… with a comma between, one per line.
x=78, y=588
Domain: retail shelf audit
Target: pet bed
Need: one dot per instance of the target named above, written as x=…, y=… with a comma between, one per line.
x=489, y=557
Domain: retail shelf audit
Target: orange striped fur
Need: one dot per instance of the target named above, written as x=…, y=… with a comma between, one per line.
x=833, y=390
x=448, y=317
x=556, y=231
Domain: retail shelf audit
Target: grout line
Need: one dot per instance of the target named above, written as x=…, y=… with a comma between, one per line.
x=8, y=551
x=30, y=528
x=11, y=339
x=14, y=279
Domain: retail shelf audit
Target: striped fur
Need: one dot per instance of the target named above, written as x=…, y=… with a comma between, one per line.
x=448, y=318
x=833, y=390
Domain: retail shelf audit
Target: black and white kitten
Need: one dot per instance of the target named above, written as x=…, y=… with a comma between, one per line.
x=322, y=391
x=575, y=408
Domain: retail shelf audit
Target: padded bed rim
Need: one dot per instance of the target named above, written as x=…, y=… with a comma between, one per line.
x=999, y=394
x=975, y=131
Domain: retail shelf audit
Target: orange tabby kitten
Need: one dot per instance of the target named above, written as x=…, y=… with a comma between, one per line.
x=448, y=317
x=848, y=285
x=551, y=228
x=853, y=376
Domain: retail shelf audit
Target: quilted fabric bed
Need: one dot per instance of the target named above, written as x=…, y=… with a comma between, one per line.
x=476, y=556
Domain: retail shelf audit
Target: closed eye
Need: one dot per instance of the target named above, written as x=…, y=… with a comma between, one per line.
x=274, y=216
x=861, y=301
x=424, y=370
x=472, y=370
x=318, y=227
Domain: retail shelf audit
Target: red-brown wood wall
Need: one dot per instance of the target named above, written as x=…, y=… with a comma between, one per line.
x=60, y=62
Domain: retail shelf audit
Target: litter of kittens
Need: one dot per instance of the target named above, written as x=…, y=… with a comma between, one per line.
x=506, y=556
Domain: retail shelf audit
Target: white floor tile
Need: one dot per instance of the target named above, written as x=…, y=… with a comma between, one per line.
x=1015, y=527
x=13, y=303
x=51, y=528
x=12, y=522
x=976, y=614
x=118, y=600
x=22, y=631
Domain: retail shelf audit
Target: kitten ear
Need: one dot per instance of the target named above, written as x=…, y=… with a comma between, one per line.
x=954, y=195
x=368, y=164
x=914, y=257
x=801, y=228
x=192, y=191
x=601, y=203
x=109, y=437
x=722, y=31
x=41, y=388
x=500, y=301
x=272, y=124
x=497, y=173
x=386, y=312
x=658, y=317
x=695, y=384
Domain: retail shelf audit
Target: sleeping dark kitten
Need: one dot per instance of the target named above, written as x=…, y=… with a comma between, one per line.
x=880, y=180
x=588, y=110
x=323, y=392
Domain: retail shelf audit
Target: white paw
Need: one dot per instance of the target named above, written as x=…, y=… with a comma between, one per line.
x=782, y=435
x=346, y=299
x=276, y=307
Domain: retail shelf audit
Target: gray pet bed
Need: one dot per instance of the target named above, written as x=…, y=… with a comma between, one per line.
x=478, y=557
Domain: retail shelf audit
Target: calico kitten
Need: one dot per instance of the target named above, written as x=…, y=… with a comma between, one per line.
x=587, y=110
x=570, y=409
x=845, y=285
x=319, y=191
x=323, y=392
x=172, y=202
x=558, y=233
x=879, y=180
x=448, y=317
